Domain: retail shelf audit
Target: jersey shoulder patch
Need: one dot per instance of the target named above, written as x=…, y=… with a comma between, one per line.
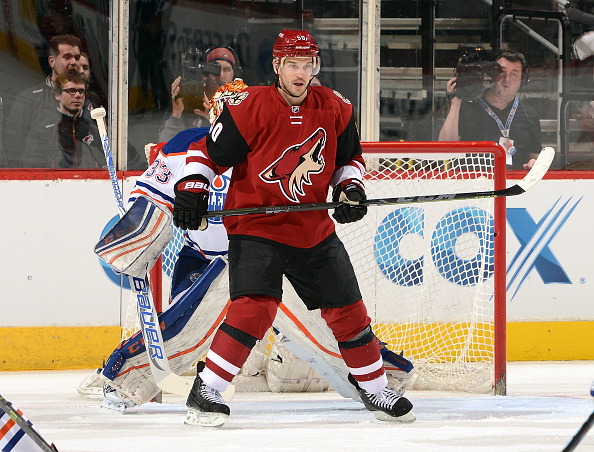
x=341, y=97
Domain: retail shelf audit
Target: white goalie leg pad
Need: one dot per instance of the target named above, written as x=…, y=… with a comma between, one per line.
x=135, y=242
x=186, y=341
x=308, y=336
x=285, y=372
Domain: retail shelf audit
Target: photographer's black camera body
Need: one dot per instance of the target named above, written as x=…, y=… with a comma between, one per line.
x=191, y=88
x=471, y=70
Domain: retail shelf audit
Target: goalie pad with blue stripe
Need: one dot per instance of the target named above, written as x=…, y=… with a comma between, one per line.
x=135, y=242
x=188, y=328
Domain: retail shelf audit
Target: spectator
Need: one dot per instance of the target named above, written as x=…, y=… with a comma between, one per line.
x=92, y=99
x=221, y=65
x=65, y=139
x=57, y=20
x=498, y=115
x=37, y=103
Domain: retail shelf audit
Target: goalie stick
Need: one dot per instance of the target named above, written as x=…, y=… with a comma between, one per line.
x=151, y=330
x=580, y=434
x=583, y=430
x=541, y=166
x=7, y=407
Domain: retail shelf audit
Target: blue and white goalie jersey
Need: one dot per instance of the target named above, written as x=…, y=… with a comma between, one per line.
x=159, y=180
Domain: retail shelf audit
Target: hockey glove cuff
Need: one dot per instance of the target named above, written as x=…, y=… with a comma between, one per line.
x=350, y=192
x=191, y=202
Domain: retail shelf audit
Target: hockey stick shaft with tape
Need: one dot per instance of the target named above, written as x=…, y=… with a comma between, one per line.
x=98, y=114
x=151, y=330
x=541, y=166
x=7, y=407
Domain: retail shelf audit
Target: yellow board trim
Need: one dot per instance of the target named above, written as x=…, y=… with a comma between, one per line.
x=550, y=341
x=53, y=348
x=59, y=348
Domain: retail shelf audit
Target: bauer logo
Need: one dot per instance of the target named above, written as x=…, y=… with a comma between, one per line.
x=218, y=194
x=461, y=246
x=534, y=238
x=149, y=322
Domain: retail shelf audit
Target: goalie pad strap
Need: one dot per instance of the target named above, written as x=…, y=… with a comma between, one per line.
x=136, y=241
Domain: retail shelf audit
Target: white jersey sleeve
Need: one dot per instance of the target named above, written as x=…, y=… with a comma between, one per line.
x=158, y=183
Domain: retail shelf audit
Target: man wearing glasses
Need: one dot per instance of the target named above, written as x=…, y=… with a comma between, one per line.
x=66, y=138
x=37, y=102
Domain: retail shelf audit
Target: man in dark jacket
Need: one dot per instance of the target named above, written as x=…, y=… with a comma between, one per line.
x=66, y=138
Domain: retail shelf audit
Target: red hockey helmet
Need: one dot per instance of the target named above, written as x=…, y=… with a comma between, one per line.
x=296, y=44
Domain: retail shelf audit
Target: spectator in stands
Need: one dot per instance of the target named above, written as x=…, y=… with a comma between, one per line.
x=38, y=102
x=92, y=98
x=583, y=16
x=65, y=139
x=58, y=19
x=220, y=67
x=498, y=115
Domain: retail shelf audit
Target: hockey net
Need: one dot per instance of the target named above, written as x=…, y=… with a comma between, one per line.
x=431, y=274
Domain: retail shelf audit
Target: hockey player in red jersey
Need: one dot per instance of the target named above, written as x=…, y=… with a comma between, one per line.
x=288, y=143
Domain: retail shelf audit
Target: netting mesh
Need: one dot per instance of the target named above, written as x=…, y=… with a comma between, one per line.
x=425, y=270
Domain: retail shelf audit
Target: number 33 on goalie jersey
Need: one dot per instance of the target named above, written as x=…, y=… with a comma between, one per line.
x=159, y=180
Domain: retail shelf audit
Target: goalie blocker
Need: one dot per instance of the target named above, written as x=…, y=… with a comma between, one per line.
x=135, y=242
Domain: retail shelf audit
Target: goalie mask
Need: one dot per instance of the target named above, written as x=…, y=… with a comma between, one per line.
x=230, y=92
x=296, y=44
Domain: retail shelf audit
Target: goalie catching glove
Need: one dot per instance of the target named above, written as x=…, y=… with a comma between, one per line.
x=349, y=192
x=191, y=202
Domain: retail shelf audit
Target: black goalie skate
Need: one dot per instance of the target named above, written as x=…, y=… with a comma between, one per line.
x=206, y=406
x=386, y=405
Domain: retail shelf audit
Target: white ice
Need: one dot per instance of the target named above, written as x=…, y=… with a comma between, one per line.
x=546, y=405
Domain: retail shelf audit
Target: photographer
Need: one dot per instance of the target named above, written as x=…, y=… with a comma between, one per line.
x=220, y=68
x=498, y=115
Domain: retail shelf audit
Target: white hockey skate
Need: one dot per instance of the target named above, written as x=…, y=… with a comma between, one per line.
x=206, y=406
x=386, y=405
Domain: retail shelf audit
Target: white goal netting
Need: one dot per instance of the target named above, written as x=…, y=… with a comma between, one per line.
x=427, y=270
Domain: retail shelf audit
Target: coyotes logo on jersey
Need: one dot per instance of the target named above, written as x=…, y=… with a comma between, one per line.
x=293, y=169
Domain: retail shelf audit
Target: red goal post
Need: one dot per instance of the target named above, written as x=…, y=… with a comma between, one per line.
x=432, y=274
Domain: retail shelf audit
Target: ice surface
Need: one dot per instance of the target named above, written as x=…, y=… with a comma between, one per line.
x=546, y=405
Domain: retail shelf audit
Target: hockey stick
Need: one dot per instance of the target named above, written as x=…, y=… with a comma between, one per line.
x=147, y=314
x=541, y=166
x=580, y=434
x=7, y=407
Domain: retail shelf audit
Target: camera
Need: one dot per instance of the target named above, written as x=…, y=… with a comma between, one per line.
x=471, y=70
x=191, y=88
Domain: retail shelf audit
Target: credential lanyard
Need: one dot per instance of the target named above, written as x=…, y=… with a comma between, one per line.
x=512, y=112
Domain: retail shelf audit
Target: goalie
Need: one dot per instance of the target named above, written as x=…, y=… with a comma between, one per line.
x=200, y=295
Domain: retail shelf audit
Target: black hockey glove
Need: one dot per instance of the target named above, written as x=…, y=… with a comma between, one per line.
x=191, y=202
x=349, y=192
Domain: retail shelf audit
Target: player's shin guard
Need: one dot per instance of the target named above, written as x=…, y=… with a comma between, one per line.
x=248, y=319
x=358, y=345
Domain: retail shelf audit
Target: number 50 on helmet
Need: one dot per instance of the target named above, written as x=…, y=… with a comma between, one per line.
x=296, y=44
